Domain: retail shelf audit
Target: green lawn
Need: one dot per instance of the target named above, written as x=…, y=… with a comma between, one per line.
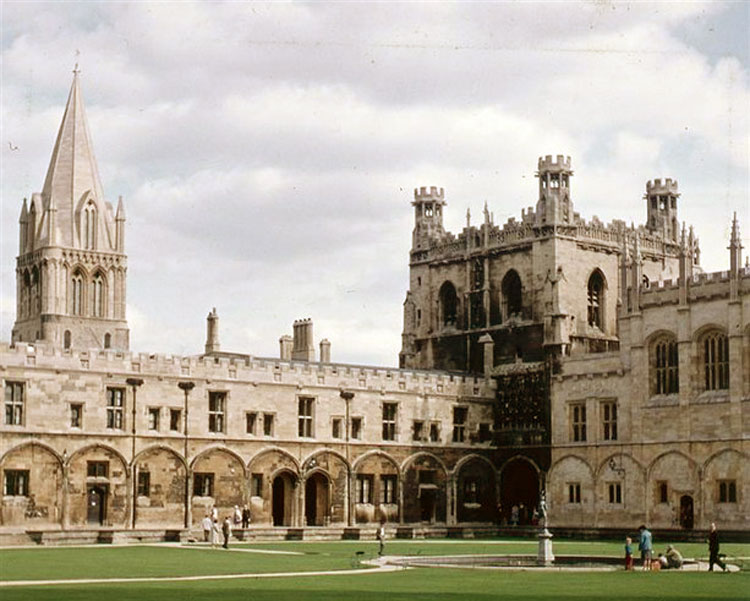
x=417, y=584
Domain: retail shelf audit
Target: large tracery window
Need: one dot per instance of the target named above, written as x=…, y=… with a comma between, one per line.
x=666, y=367
x=448, y=305
x=512, y=294
x=716, y=361
x=97, y=295
x=596, y=300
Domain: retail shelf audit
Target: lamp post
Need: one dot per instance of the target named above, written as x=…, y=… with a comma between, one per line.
x=186, y=387
x=134, y=383
x=347, y=396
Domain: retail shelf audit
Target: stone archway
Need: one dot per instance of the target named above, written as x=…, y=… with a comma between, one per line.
x=476, y=499
x=283, y=499
x=317, y=505
x=519, y=491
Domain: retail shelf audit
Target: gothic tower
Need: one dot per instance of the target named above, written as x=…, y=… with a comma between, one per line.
x=71, y=265
x=428, y=215
x=662, y=208
x=554, y=206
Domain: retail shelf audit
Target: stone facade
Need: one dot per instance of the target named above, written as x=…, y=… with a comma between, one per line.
x=595, y=361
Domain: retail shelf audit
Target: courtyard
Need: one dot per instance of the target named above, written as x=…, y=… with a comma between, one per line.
x=344, y=570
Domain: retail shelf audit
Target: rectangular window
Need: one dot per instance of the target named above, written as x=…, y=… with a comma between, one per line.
x=256, y=485
x=471, y=490
x=175, y=417
x=578, y=422
x=388, y=489
x=337, y=427
x=364, y=488
x=97, y=469
x=485, y=432
x=389, y=421
x=574, y=492
x=153, y=418
x=356, y=428
x=727, y=491
x=115, y=399
x=16, y=483
x=459, y=423
x=216, y=407
x=203, y=485
x=268, y=424
x=615, y=493
x=14, y=403
x=435, y=432
x=417, y=430
x=609, y=420
x=251, y=419
x=305, y=416
x=144, y=483
x=76, y=415
x=662, y=492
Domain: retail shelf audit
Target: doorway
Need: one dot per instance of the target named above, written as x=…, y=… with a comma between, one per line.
x=427, y=502
x=686, y=512
x=97, y=504
x=316, y=500
x=519, y=486
x=282, y=500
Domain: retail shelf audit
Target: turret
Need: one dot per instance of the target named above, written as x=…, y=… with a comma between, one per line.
x=120, y=226
x=661, y=198
x=23, y=228
x=428, y=215
x=554, y=205
x=212, y=332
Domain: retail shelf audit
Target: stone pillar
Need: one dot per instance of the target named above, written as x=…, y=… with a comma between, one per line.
x=325, y=351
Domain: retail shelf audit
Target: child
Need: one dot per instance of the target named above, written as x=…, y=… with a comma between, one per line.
x=628, y=553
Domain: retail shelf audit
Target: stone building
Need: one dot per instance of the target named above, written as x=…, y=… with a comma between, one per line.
x=596, y=361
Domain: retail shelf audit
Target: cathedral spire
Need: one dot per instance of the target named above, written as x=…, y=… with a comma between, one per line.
x=72, y=171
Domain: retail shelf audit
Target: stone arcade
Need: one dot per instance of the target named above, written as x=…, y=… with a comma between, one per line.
x=595, y=362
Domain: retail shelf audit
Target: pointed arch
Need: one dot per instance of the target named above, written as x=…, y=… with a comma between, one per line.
x=512, y=291
x=596, y=295
x=448, y=302
x=472, y=457
x=219, y=448
x=413, y=458
x=322, y=451
x=32, y=443
x=375, y=453
x=89, y=225
x=275, y=449
x=106, y=448
x=156, y=448
x=661, y=456
x=78, y=280
x=99, y=293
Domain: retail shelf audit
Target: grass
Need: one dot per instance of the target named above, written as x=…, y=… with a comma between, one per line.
x=417, y=584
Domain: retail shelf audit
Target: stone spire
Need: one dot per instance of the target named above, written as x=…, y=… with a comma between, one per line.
x=735, y=249
x=72, y=169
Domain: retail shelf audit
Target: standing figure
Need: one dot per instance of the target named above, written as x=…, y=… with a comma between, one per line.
x=226, y=530
x=207, y=525
x=245, y=517
x=237, y=515
x=713, y=550
x=645, y=547
x=381, y=537
x=628, y=553
x=214, y=533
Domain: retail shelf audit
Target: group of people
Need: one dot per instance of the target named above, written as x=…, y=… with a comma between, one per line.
x=212, y=531
x=671, y=558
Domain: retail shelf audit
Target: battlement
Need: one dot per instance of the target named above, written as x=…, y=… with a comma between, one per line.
x=434, y=193
x=657, y=186
x=559, y=163
x=299, y=322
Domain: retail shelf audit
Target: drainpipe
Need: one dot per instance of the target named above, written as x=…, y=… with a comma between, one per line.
x=134, y=383
x=186, y=387
x=347, y=396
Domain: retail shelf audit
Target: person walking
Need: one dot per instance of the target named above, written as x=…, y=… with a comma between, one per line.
x=381, y=538
x=207, y=525
x=713, y=550
x=645, y=546
x=226, y=530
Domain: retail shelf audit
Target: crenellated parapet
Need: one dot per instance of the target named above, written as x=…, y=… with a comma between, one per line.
x=554, y=163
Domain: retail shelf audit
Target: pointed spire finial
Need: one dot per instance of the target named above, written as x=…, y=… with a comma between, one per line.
x=76, y=70
x=468, y=217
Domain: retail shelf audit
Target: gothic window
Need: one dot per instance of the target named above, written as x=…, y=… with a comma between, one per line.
x=26, y=294
x=512, y=294
x=615, y=493
x=471, y=490
x=35, y=298
x=596, y=300
x=364, y=488
x=460, y=415
x=388, y=485
x=115, y=398
x=574, y=492
x=478, y=272
x=89, y=226
x=716, y=361
x=578, y=422
x=203, y=485
x=609, y=420
x=16, y=483
x=107, y=340
x=77, y=289
x=305, y=416
x=448, y=304
x=14, y=403
x=216, y=410
x=144, y=483
x=97, y=295
x=665, y=363
x=390, y=411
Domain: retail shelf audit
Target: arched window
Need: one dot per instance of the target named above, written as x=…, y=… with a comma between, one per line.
x=97, y=295
x=448, y=304
x=716, y=361
x=26, y=294
x=89, y=226
x=35, y=300
x=77, y=293
x=665, y=363
x=512, y=294
x=66, y=339
x=107, y=340
x=596, y=300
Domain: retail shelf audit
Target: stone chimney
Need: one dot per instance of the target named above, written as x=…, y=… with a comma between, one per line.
x=212, y=332
x=303, y=348
x=325, y=351
x=285, y=348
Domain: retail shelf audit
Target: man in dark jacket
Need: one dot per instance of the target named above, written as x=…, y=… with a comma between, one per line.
x=713, y=550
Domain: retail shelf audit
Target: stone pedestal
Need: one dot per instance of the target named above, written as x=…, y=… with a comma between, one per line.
x=544, y=556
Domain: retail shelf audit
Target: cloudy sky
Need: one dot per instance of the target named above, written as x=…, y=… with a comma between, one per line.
x=267, y=153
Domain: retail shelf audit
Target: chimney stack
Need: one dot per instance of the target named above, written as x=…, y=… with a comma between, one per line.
x=285, y=348
x=212, y=332
x=325, y=351
x=303, y=349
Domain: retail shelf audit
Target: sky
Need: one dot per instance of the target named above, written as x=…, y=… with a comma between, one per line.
x=267, y=153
